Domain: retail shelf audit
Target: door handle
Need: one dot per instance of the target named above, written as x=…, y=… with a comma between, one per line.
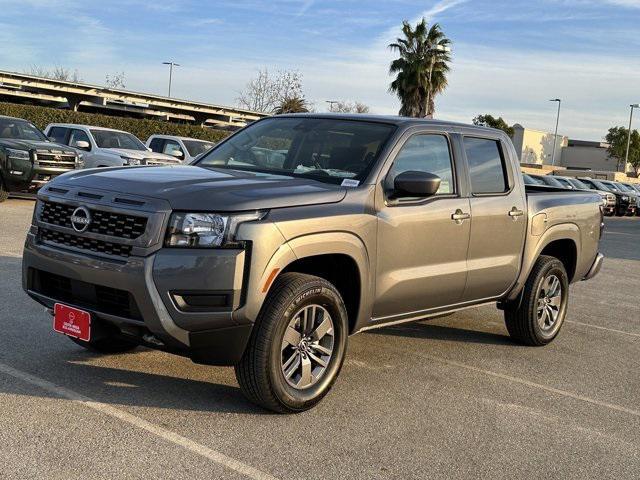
x=459, y=216
x=515, y=213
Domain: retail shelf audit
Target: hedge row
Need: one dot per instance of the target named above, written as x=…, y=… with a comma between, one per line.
x=141, y=128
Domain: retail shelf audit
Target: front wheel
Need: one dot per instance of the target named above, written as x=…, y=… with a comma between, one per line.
x=297, y=346
x=537, y=319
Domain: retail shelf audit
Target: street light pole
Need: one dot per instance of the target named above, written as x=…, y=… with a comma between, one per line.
x=555, y=136
x=626, y=156
x=331, y=102
x=171, y=65
x=437, y=48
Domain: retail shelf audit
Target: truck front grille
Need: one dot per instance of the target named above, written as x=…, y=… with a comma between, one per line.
x=95, y=297
x=56, y=160
x=84, y=243
x=105, y=223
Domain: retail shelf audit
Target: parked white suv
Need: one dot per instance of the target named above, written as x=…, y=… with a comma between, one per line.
x=103, y=147
x=184, y=148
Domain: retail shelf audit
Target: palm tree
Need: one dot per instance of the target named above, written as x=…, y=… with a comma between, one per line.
x=292, y=105
x=421, y=71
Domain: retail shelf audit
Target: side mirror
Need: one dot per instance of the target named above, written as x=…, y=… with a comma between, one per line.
x=83, y=145
x=176, y=153
x=415, y=184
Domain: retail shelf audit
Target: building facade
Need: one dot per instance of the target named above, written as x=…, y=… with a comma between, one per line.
x=536, y=147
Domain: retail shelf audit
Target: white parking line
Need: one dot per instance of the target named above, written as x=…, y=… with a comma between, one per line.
x=215, y=456
x=604, y=328
x=522, y=381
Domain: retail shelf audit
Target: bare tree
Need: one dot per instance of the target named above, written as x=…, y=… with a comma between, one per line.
x=114, y=81
x=267, y=91
x=348, y=107
x=58, y=73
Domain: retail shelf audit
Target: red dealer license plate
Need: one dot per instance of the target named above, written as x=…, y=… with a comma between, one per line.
x=71, y=321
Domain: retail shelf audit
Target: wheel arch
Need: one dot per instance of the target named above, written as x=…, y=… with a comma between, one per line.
x=340, y=258
x=561, y=241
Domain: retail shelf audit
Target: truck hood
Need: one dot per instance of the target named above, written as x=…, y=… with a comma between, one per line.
x=206, y=189
x=41, y=146
x=141, y=154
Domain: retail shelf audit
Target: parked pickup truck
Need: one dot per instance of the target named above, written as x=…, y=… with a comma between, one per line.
x=299, y=231
x=28, y=159
x=104, y=147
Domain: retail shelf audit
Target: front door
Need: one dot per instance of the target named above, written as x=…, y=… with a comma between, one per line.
x=499, y=221
x=422, y=243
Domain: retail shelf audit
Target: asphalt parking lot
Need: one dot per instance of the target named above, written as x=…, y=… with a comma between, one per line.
x=446, y=398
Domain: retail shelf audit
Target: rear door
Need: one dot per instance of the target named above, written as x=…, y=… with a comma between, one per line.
x=498, y=218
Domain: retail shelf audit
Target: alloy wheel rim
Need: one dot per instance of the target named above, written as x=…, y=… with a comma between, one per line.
x=549, y=303
x=307, y=346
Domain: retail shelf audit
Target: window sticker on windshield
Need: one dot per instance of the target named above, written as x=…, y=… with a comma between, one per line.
x=350, y=182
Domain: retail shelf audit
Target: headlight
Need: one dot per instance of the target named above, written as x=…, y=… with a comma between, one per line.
x=18, y=154
x=131, y=161
x=80, y=160
x=206, y=230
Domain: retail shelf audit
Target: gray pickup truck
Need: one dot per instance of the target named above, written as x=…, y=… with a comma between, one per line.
x=299, y=231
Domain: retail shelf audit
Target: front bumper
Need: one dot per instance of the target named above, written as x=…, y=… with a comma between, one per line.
x=183, y=299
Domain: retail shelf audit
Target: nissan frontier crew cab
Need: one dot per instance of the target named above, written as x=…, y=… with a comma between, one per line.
x=28, y=159
x=298, y=231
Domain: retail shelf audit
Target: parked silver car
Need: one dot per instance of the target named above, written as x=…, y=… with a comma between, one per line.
x=185, y=148
x=104, y=147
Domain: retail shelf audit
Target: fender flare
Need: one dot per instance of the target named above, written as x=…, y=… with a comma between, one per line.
x=326, y=243
x=562, y=231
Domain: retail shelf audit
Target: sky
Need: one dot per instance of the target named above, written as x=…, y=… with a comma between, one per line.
x=509, y=56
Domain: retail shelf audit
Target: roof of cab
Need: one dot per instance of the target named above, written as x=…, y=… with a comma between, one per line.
x=390, y=119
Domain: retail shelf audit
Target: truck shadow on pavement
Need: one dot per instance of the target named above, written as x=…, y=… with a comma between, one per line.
x=121, y=386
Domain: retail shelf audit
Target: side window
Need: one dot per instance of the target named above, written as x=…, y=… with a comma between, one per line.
x=173, y=148
x=427, y=153
x=78, y=136
x=58, y=135
x=486, y=165
x=156, y=145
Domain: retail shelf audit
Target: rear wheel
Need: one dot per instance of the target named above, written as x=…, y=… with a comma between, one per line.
x=537, y=319
x=106, y=345
x=297, y=346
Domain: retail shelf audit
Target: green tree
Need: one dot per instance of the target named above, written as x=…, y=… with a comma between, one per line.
x=487, y=120
x=421, y=69
x=617, y=138
x=292, y=105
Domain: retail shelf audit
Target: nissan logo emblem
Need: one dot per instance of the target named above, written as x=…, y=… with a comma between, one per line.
x=80, y=219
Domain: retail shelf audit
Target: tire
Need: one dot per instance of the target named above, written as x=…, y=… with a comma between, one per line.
x=4, y=193
x=525, y=323
x=106, y=345
x=261, y=371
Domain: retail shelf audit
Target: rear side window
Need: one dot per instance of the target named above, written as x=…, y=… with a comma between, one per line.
x=58, y=134
x=486, y=165
x=427, y=153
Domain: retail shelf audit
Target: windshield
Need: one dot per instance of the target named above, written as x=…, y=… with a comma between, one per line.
x=20, y=130
x=327, y=150
x=113, y=139
x=552, y=181
x=624, y=188
x=612, y=187
x=565, y=183
x=196, y=147
x=578, y=184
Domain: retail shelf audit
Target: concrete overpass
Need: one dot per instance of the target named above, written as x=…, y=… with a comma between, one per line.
x=24, y=88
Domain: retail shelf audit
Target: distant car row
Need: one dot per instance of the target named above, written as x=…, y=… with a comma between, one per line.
x=29, y=158
x=618, y=198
